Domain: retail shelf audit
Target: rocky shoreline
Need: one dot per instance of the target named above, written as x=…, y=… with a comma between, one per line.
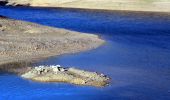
x=56, y=73
x=22, y=43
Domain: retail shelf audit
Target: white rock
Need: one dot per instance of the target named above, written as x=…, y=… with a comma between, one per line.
x=53, y=66
x=102, y=75
x=55, y=69
x=58, y=66
x=41, y=66
x=61, y=69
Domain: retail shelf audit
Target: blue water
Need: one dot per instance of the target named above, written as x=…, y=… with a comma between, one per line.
x=136, y=56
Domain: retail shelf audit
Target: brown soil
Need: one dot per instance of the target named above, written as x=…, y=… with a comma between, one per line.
x=26, y=42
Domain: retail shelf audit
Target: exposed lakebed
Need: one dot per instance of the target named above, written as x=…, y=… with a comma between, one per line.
x=136, y=56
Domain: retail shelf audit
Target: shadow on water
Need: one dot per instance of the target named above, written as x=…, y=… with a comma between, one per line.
x=3, y=3
x=15, y=67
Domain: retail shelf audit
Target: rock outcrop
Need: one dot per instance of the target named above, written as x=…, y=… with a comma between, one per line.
x=56, y=73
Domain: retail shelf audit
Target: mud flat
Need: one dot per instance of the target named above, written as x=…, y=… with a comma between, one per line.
x=56, y=73
x=27, y=42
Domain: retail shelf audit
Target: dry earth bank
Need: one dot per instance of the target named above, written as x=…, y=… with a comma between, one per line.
x=133, y=5
x=23, y=42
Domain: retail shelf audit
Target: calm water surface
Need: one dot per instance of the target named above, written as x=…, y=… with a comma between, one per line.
x=136, y=56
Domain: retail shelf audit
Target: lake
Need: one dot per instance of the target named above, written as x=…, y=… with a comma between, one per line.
x=136, y=55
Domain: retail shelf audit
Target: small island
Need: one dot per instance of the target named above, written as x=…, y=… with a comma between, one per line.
x=56, y=73
x=25, y=42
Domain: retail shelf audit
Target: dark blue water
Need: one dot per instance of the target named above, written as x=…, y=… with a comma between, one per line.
x=136, y=56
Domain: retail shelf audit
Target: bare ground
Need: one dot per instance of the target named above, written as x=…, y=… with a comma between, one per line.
x=132, y=5
x=26, y=42
x=66, y=75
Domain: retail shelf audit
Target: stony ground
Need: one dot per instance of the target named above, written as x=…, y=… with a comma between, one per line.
x=25, y=42
x=56, y=73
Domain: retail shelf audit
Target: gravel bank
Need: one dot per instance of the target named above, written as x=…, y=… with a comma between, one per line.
x=27, y=42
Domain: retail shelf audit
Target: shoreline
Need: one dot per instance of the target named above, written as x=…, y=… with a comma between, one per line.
x=127, y=5
x=38, y=42
x=57, y=73
x=140, y=13
x=22, y=43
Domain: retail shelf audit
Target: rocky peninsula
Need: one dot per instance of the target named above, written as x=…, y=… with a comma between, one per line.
x=56, y=73
x=131, y=5
x=22, y=43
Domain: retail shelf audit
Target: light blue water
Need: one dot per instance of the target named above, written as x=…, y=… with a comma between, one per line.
x=136, y=56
